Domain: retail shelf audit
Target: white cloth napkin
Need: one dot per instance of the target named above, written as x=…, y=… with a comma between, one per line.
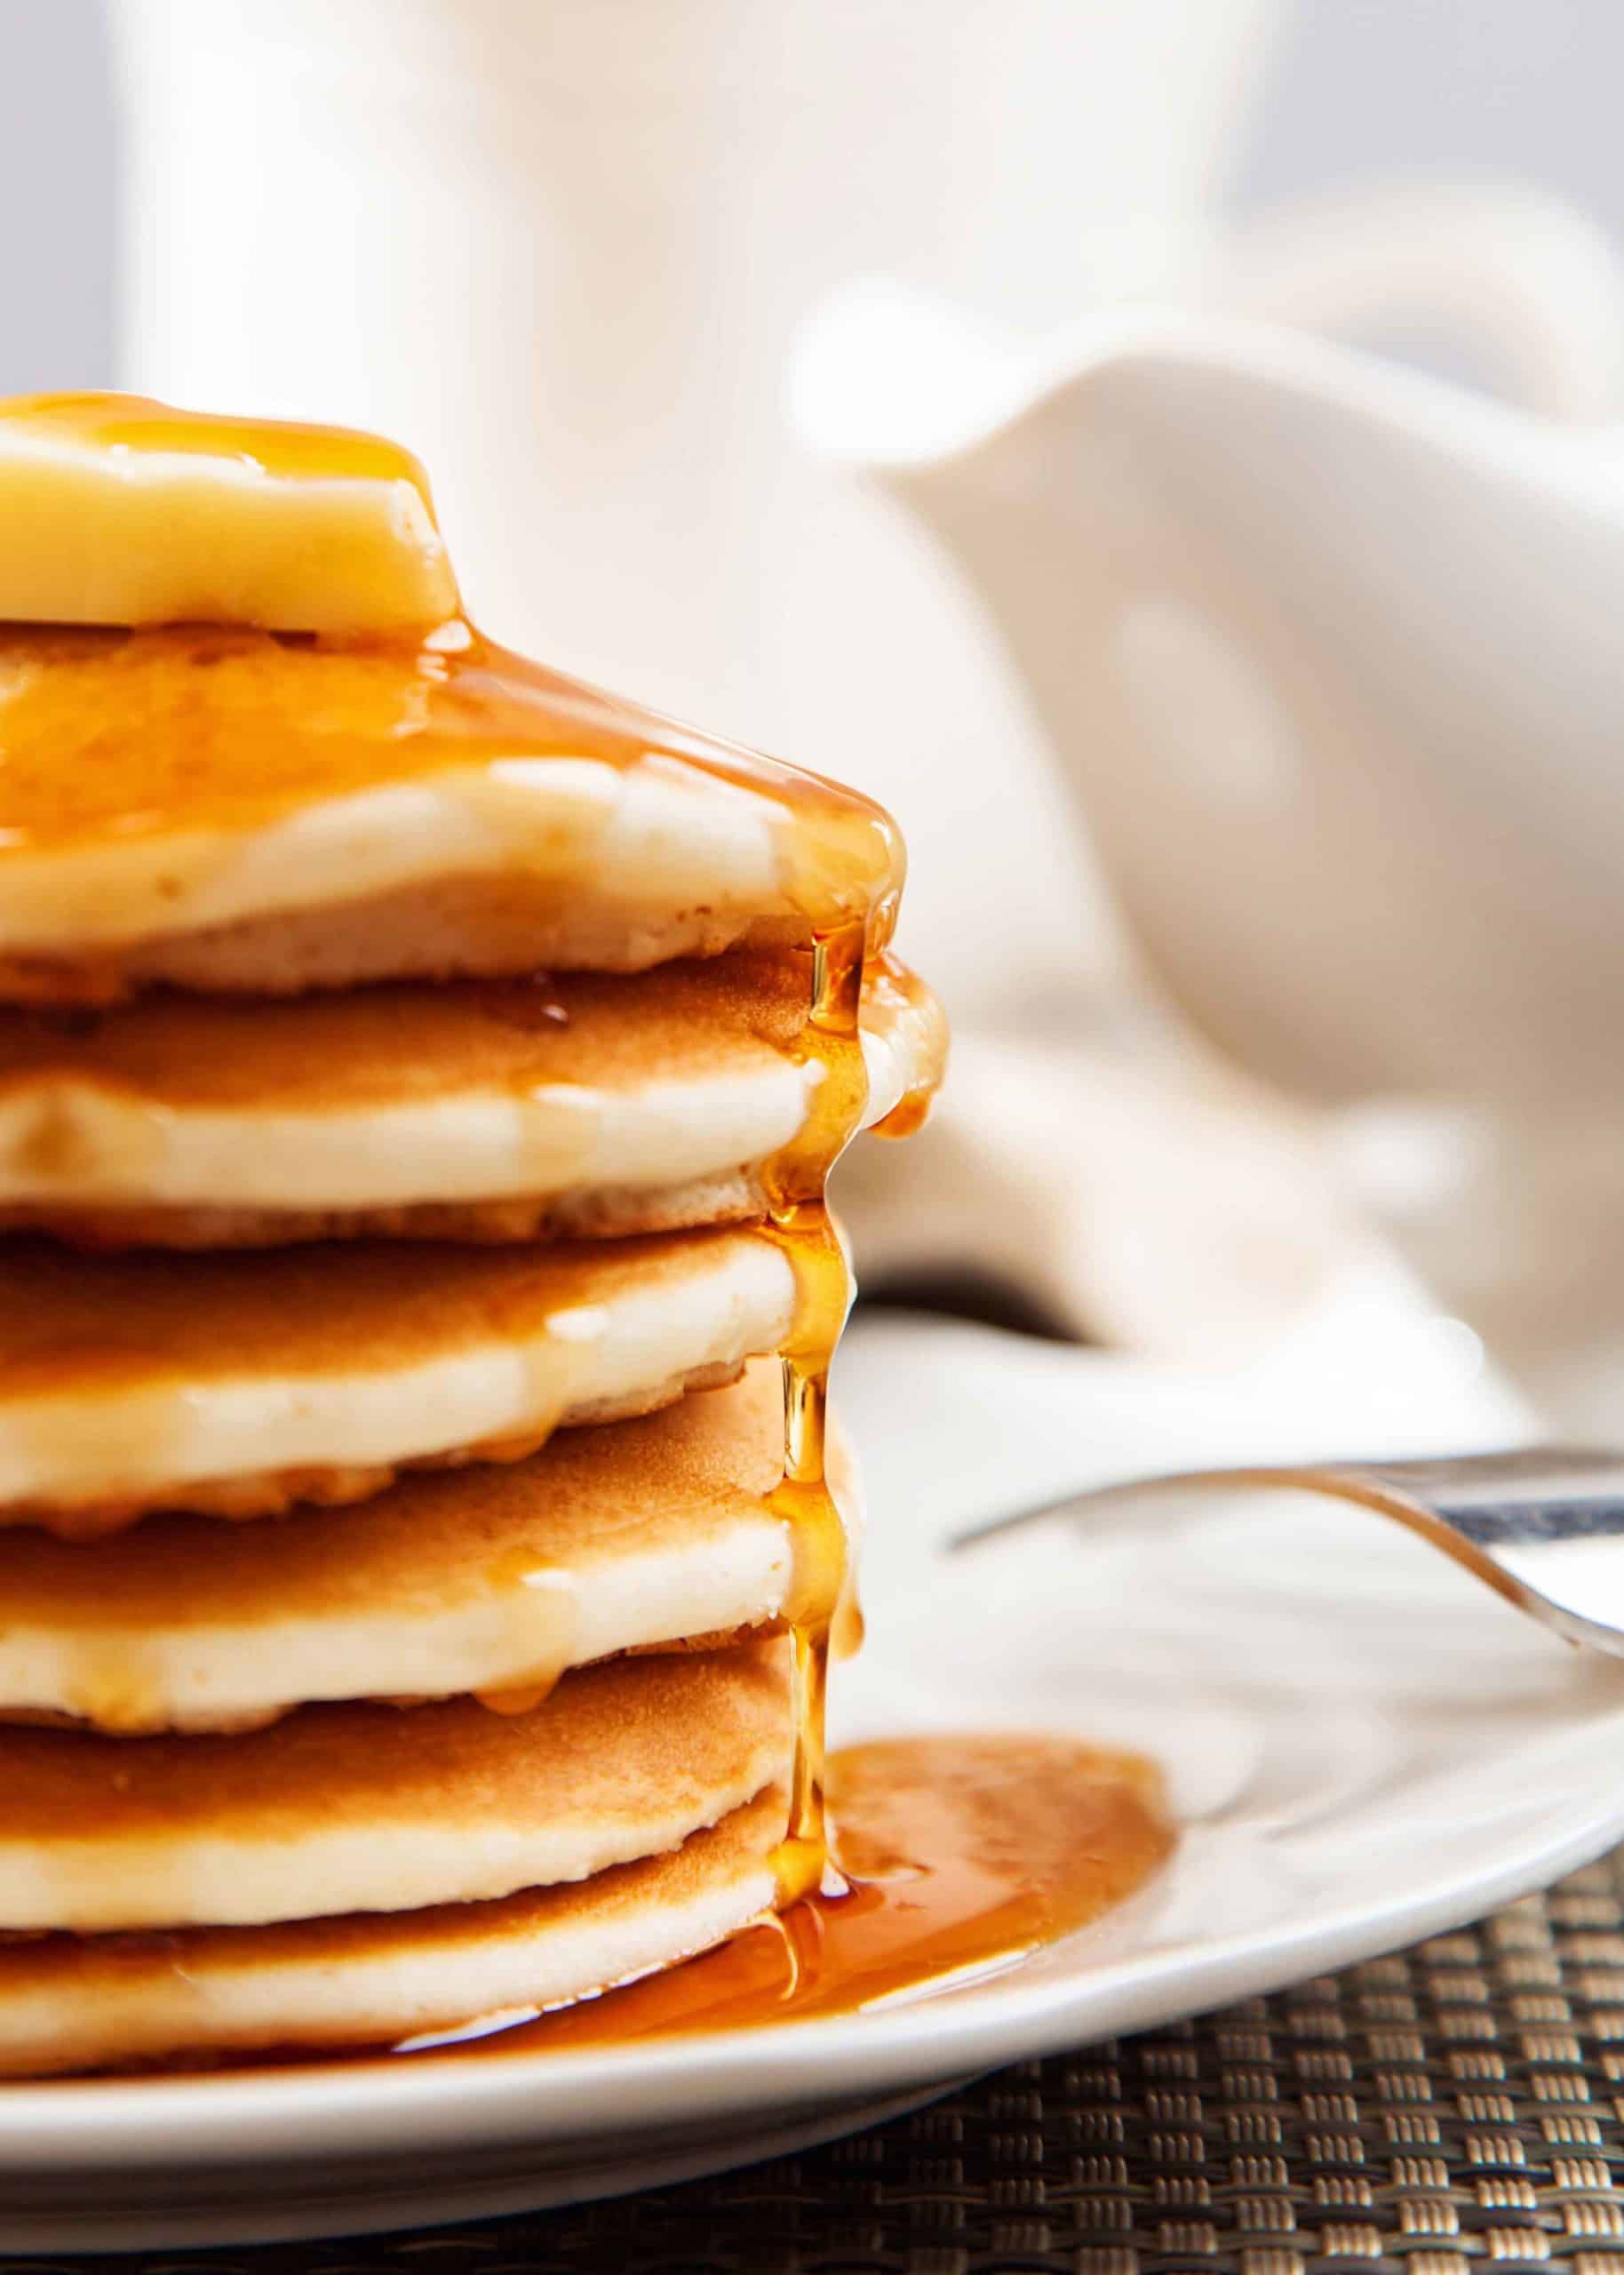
x=1132, y=1192
x=1122, y=1187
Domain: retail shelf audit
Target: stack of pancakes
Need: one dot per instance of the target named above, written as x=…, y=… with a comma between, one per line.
x=417, y=1077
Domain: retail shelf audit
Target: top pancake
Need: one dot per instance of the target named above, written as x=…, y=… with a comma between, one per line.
x=568, y=1105
x=236, y=810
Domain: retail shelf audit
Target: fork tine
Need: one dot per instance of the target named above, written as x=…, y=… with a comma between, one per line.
x=1543, y=1526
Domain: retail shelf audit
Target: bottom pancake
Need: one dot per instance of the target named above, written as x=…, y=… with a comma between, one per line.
x=375, y=1979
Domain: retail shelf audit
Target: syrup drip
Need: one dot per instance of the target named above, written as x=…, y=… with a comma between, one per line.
x=802, y=1228
x=543, y=1625
x=909, y=1115
x=891, y=989
x=817, y=1531
x=966, y=1853
x=122, y=1691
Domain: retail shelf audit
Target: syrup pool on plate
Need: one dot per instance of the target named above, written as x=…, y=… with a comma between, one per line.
x=960, y=1855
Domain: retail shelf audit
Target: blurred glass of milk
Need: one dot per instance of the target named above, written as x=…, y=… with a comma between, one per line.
x=562, y=248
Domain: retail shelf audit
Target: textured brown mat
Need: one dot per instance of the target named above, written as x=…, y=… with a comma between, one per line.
x=1460, y=2106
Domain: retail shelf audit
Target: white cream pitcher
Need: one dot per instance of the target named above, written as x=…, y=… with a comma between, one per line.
x=1332, y=656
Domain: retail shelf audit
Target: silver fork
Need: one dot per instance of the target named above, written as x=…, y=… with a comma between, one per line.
x=1543, y=1526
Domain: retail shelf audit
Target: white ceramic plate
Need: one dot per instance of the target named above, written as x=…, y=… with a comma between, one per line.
x=1365, y=1747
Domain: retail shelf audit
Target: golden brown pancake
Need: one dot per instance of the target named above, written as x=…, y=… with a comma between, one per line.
x=380, y=1807
x=490, y=1577
x=237, y=809
x=374, y=1979
x=242, y=1384
x=566, y=1105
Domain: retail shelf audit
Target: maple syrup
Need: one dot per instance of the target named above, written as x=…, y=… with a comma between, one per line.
x=116, y=734
x=287, y=449
x=823, y=1289
x=960, y=1855
x=889, y=986
x=909, y=1115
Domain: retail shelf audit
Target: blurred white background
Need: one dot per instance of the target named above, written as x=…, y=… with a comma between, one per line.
x=1518, y=86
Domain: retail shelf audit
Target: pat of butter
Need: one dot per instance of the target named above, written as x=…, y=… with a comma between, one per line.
x=115, y=509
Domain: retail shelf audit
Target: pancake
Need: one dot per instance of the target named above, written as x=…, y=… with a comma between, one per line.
x=373, y=1979
x=242, y=1384
x=577, y=1105
x=227, y=809
x=364, y=1808
x=490, y=1578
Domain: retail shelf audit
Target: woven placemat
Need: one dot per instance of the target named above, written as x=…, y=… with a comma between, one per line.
x=1460, y=2104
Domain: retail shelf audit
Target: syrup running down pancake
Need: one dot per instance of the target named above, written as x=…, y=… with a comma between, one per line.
x=567, y=1104
x=244, y=1383
x=228, y=808
x=490, y=1578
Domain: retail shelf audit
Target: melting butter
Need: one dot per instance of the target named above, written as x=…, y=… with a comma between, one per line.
x=119, y=510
